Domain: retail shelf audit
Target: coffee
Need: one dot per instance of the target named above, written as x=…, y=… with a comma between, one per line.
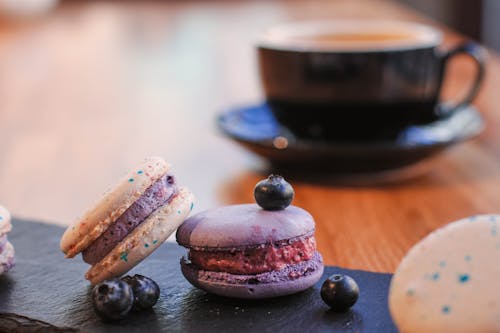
x=355, y=80
x=350, y=36
x=355, y=37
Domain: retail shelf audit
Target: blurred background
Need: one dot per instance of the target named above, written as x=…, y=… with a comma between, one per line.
x=88, y=88
x=476, y=19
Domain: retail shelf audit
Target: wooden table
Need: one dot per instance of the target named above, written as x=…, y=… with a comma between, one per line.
x=93, y=87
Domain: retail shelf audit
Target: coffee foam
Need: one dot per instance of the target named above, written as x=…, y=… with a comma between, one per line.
x=349, y=36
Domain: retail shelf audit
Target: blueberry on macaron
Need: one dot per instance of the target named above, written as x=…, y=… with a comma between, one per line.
x=273, y=193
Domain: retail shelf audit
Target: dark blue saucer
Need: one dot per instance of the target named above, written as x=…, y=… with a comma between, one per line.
x=256, y=128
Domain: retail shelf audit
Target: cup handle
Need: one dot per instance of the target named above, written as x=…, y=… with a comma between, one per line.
x=478, y=54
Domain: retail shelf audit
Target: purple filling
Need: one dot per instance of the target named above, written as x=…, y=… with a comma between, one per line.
x=157, y=195
x=3, y=240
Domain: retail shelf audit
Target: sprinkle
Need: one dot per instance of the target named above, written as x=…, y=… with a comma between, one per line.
x=493, y=218
x=155, y=241
x=435, y=276
x=146, y=245
x=468, y=258
x=472, y=218
x=494, y=231
x=462, y=278
x=178, y=212
x=73, y=228
x=123, y=256
x=442, y=263
x=131, y=180
x=140, y=172
x=192, y=205
x=1, y=217
x=410, y=292
x=446, y=309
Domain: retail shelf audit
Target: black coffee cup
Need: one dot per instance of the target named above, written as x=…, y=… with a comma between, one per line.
x=358, y=80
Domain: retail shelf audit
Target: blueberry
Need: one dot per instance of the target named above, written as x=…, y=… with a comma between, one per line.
x=113, y=299
x=273, y=193
x=146, y=291
x=340, y=292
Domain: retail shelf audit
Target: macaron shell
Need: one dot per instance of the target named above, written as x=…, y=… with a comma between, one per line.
x=112, y=205
x=243, y=225
x=285, y=287
x=7, y=258
x=450, y=280
x=146, y=238
x=5, y=225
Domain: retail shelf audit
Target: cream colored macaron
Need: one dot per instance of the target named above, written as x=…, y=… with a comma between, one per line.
x=450, y=280
x=6, y=249
x=6, y=257
x=112, y=205
x=5, y=225
x=138, y=241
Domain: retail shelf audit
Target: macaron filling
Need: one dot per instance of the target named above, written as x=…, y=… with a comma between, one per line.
x=287, y=273
x=255, y=260
x=3, y=241
x=158, y=194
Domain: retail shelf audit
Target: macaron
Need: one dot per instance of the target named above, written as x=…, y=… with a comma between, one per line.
x=129, y=222
x=450, y=280
x=244, y=251
x=7, y=260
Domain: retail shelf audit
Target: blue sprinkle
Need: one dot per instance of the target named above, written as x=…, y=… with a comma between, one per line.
x=472, y=218
x=435, y=276
x=494, y=231
x=446, y=309
x=155, y=241
x=123, y=256
x=140, y=172
x=146, y=245
x=410, y=292
x=192, y=205
x=442, y=263
x=462, y=278
x=492, y=218
x=1, y=218
x=131, y=180
x=178, y=212
x=468, y=258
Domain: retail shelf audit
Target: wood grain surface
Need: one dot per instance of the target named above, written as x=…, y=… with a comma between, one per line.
x=94, y=86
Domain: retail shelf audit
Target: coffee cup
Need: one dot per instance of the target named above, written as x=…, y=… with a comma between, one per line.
x=355, y=80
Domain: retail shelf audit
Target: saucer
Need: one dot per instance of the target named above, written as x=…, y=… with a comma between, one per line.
x=256, y=129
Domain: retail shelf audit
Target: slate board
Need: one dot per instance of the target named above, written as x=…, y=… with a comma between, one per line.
x=46, y=286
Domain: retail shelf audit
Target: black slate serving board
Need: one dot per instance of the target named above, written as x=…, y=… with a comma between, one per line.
x=47, y=287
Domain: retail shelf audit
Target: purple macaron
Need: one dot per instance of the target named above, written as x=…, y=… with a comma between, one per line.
x=244, y=251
